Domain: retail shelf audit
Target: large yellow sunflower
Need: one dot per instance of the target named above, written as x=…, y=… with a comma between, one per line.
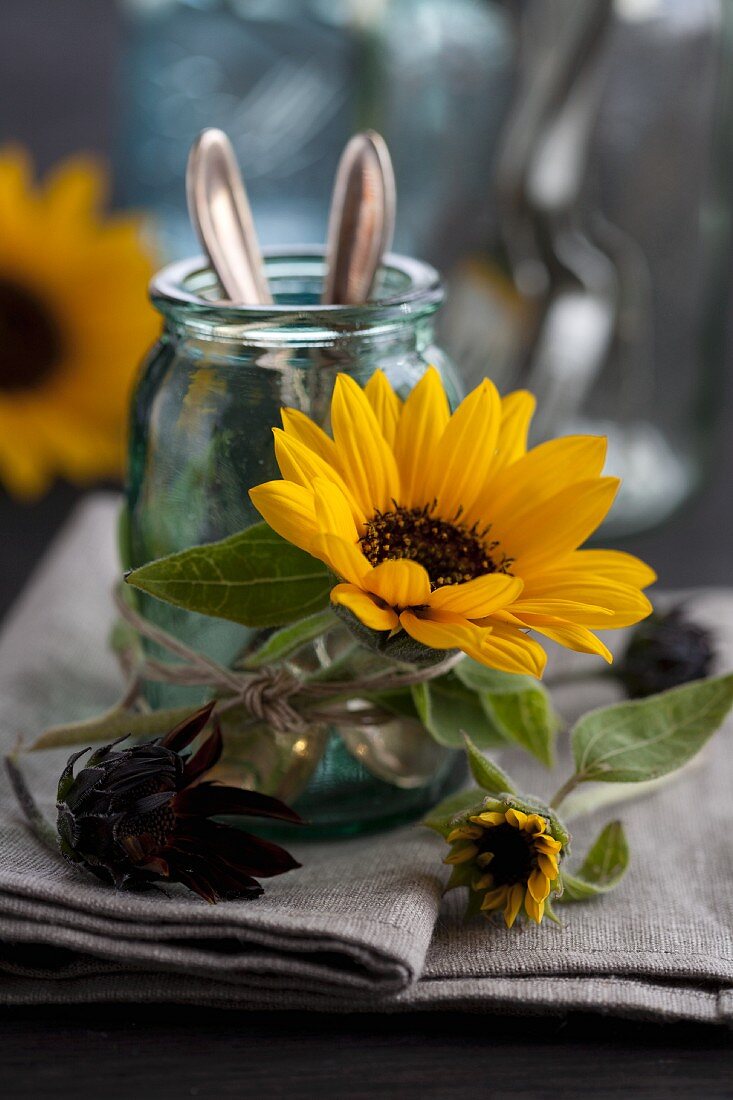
x=74, y=322
x=445, y=526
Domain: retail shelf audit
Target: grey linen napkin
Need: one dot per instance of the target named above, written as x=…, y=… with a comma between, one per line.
x=361, y=925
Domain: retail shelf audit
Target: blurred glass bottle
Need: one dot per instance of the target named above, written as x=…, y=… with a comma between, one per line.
x=290, y=81
x=613, y=199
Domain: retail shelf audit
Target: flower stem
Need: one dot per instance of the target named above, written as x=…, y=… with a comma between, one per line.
x=41, y=829
x=570, y=785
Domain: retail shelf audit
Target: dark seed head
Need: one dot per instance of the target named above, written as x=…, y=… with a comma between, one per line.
x=450, y=552
x=666, y=650
x=140, y=814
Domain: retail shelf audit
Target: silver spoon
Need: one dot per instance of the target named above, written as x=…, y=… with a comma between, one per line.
x=361, y=221
x=221, y=215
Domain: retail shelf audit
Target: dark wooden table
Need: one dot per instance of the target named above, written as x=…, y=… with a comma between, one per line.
x=56, y=62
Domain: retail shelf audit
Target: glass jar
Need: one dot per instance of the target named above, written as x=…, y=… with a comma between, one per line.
x=207, y=399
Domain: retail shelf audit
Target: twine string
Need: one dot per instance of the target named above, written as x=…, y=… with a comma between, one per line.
x=269, y=693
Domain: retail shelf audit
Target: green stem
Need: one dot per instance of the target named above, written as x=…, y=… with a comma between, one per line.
x=41, y=829
x=570, y=785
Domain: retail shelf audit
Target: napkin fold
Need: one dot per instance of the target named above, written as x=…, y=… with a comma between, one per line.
x=361, y=925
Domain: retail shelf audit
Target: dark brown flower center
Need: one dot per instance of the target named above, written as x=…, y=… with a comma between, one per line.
x=450, y=552
x=513, y=851
x=30, y=341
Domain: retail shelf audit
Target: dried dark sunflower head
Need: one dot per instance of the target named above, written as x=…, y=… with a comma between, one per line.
x=137, y=815
x=666, y=650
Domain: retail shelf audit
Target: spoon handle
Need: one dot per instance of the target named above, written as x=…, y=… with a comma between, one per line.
x=221, y=215
x=361, y=221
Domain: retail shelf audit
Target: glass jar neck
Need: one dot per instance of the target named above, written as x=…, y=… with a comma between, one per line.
x=406, y=295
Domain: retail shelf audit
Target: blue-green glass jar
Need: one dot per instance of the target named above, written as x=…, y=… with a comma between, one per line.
x=209, y=394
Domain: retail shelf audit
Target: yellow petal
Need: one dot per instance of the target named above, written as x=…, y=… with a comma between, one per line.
x=484, y=859
x=400, y=583
x=538, y=885
x=75, y=190
x=577, y=638
x=517, y=410
x=567, y=610
x=513, y=904
x=509, y=650
x=459, y=464
x=481, y=882
x=344, y=558
x=495, y=899
x=535, y=824
x=385, y=404
x=288, y=509
x=366, y=460
x=479, y=597
x=548, y=865
x=540, y=474
x=517, y=818
x=625, y=603
x=364, y=607
x=299, y=426
x=299, y=464
x=333, y=514
x=464, y=832
x=534, y=909
x=548, y=844
x=490, y=817
x=612, y=565
x=424, y=417
x=444, y=635
x=462, y=855
x=557, y=525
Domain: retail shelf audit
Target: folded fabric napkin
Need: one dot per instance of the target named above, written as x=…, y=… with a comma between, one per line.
x=361, y=925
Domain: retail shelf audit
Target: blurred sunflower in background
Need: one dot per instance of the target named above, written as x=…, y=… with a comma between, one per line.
x=74, y=323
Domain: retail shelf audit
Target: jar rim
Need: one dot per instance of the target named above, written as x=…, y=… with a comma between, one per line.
x=177, y=290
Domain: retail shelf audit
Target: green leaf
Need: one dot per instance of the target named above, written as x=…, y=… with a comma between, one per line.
x=603, y=867
x=527, y=718
x=109, y=726
x=518, y=707
x=441, y=816
x=255, y=578
x=482, y=679
x=447, y=708
x=289, y=639
x=487, y=774
x=644, y=739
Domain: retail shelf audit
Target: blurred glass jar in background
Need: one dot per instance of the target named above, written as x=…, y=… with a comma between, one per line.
x=607, y=287
x=290, y=81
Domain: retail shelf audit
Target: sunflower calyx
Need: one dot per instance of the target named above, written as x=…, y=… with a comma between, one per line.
x=143, y=814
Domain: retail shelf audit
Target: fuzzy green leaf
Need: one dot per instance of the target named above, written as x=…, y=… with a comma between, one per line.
x=447, y=708
x=441, y=816
x=518, y=707
x=255, y=578
x=289, y=639
x=603, y=867
x=487, y=774
x=644, y=739
x=109, y=726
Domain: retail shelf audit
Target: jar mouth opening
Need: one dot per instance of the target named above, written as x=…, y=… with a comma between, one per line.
x=403, y=286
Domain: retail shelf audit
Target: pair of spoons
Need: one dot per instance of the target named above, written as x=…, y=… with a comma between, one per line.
x=360, y=226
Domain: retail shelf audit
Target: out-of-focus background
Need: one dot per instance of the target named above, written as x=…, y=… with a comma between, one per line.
x=565, y=163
